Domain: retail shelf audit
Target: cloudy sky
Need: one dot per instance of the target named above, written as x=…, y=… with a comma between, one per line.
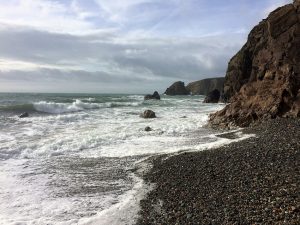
x=120, y=46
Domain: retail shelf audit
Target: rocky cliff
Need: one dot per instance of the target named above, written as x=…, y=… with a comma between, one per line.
x=263, y=78
x=203, y=87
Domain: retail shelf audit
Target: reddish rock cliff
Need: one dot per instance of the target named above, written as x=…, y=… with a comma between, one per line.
x=263, y=78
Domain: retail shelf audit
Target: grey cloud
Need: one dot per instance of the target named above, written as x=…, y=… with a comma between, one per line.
x=44, y=47
x=53, y=80
x=107, y=59
x=48, y=80
x=56, y=75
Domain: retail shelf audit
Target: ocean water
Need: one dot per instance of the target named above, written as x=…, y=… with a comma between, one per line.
x=72, y=160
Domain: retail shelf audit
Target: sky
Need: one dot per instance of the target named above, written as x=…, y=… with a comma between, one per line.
x=120, y=46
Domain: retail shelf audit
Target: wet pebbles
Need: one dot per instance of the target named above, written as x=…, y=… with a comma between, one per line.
x=256, y=181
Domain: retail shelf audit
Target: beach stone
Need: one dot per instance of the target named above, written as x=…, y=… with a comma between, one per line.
x=154, y=96
x=148, y=114
x=263, y=79
x=212, y=97
x=24, y=115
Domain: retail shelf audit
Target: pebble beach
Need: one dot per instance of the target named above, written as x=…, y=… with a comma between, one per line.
x=254, y=181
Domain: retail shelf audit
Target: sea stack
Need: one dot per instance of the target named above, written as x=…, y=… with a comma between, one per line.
x=154, y=96
x=263, y=78
x=177, y=88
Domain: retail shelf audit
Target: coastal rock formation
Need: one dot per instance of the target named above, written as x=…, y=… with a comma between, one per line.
x=24, y=115
x=155, y=96
x=177, y=88
x=203, y=87
x=212, y=97
x=148, y=114
x=263, y=78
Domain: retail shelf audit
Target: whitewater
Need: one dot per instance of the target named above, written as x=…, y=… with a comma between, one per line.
x=72, y=161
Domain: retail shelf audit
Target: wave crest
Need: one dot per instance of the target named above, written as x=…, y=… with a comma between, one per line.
x=78, y=105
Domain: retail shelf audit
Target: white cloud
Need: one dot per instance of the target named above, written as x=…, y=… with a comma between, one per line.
x=45, y=15
x=81, y=12
x=7, y=65
x=115, y=10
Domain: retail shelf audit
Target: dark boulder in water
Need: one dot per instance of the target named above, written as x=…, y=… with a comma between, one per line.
x=148, y=129
x=24, y=115
x=155, y=96
x=212, y=97
x=148, y=114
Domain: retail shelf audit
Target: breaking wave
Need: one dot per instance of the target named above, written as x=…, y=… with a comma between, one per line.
x=78, y=105
x=58, y=108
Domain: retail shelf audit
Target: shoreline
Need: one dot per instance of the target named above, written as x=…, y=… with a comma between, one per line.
x=253, y=181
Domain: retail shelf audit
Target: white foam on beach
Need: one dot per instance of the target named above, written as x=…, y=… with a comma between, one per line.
x=125, y=211
x=27, y=198
x=5, y=137
x=223, y=141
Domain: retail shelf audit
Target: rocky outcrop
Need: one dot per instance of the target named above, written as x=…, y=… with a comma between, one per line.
x=263, y=78
x=147, y=114
x=212, y=97
x=177, y=88
x=203, y=87
x=154, y=96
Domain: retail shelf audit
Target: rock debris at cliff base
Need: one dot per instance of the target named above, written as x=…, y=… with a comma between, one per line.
x=255, y=181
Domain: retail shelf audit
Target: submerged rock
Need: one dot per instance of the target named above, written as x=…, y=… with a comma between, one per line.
x=24, y=115
x=263, y=78
x=155, y=96
x=177, y=88
x=148, y=114
x=212, y=97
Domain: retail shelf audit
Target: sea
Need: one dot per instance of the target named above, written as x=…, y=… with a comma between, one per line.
x=74, y=159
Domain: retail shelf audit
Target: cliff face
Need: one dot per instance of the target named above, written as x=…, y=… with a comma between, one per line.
x=203, y=87
x=263, y=78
